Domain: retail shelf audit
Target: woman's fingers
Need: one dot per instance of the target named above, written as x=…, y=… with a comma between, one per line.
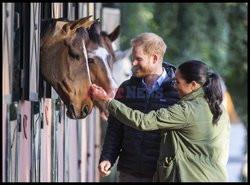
x=98, y=92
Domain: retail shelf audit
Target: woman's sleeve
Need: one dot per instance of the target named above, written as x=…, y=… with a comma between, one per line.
x=173, y=117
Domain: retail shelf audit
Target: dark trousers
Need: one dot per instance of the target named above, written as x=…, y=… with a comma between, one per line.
x=126, y=177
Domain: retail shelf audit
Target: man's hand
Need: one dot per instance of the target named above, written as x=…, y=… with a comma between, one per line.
x=104, y=168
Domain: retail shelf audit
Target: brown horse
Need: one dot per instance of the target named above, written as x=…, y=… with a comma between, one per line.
x=101, y=58
x=64, y=52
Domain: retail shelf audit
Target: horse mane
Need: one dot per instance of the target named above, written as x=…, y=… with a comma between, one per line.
x=106, y=39
x=48, y=26
x=94, y=33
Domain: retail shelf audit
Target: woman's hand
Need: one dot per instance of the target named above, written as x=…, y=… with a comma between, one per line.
x=99, y=94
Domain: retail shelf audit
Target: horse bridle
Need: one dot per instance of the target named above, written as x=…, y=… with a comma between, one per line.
x=86, y=59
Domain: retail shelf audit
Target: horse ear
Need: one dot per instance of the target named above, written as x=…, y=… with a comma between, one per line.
x=74, y=25
x=113, y=36
x=84, y=22
x=95, y=27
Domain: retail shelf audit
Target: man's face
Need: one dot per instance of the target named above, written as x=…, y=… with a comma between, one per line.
x=142, y=62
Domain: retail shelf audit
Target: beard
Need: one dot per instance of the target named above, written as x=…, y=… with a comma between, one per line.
x=140, y=72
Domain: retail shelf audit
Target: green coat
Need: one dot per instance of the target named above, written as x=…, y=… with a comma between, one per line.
x=192, y=148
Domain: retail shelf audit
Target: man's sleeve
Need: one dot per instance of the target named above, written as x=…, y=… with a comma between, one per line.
x=113, y=137
x=113, y=141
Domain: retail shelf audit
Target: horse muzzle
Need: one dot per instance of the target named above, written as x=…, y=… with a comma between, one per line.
x=73, y=114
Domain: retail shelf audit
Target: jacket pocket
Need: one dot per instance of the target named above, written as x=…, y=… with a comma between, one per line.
x=166, y=171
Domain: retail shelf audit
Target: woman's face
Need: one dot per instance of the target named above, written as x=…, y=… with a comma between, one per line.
x=181, y=85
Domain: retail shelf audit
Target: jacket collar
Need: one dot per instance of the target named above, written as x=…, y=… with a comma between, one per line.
x=194, y=94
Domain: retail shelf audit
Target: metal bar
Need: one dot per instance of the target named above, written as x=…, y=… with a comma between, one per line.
x=66, y=152
x=79, y=149
x=18, y=139
x=7, y=145
x=7, y=43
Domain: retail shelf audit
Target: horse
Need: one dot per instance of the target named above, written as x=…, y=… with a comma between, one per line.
x=70, y=55
x=122, y=68
x=101, y=60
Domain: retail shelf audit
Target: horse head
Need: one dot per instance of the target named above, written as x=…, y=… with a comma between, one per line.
x=101, y=58
x=64, y=63
x=73, y=55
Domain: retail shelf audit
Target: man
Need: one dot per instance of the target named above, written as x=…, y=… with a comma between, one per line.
x=150, y=88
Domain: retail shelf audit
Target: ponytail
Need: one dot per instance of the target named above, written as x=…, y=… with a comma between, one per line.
x=213, y=94
x=195, y=70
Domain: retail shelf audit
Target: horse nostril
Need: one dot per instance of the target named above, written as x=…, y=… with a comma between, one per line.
x=72, y=110
x=85, y=110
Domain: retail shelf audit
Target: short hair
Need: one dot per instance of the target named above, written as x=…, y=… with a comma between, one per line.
x=153, y=44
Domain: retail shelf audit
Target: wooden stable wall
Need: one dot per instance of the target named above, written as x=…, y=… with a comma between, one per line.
x=39, y=142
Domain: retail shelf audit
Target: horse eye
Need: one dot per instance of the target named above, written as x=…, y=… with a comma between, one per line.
x=91, y=60
x=74, y=53
x=76, y=56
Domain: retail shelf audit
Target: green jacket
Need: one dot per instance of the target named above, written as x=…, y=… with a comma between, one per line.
x=192, y=148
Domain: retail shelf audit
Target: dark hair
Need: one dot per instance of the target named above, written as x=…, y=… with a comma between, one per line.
x=197, y=71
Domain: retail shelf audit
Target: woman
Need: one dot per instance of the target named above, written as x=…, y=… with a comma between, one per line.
x=195, y=131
